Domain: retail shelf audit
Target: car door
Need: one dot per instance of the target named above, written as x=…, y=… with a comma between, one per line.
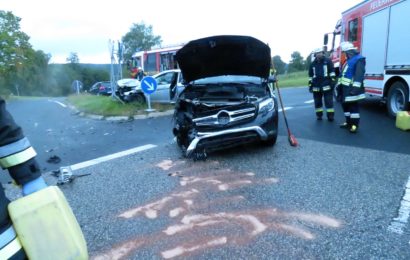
x=163, y=83
x=176, y=87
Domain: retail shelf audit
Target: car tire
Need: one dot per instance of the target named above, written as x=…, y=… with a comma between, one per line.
x=397, y=98
x=140, y=98
x=271, y=141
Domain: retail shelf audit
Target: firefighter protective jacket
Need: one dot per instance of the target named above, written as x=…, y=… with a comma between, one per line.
x=321, y=73
x=16, y=153
x=352, y=77
x=17, y=156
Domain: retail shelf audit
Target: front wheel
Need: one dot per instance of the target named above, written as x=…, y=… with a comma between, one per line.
x=271, y=141
x=140, y=98
x=397, y=98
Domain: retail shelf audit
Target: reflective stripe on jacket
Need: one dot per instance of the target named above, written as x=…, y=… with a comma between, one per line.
x=9, y=243
x=16, y=153
x=352, y=78
x=320, y=74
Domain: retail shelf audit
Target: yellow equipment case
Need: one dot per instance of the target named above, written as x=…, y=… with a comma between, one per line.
x=403, y=120
x=47, y=227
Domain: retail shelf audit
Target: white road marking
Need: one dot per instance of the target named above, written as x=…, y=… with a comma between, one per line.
x=285, y=108
x=309, y=101
x=111, y=156
x=58, y=102
x=398, y=223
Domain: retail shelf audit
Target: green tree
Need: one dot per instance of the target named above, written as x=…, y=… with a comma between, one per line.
x=296, y=63
x=140, y=37
x=90, y=75
x=308, y=61
x=15, y=48
x=31, y=77
x=278, y=64
x=73, y=58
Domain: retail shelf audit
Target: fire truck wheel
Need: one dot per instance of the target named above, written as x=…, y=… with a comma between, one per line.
x=397, y=98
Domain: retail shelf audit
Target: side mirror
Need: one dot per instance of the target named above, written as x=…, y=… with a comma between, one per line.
x=325, y=39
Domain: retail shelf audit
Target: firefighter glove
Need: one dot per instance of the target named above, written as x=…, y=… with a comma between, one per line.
x=33, y=186
x=310, y=86
x=354, y=91
x=333, y=81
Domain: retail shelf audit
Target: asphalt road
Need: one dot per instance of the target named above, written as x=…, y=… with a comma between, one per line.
x=335, y=196
x=56, y=130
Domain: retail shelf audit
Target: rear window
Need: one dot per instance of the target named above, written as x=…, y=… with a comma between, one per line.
x=106, y=84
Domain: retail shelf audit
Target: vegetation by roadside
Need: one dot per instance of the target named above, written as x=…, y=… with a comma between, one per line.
x=295, y=79
x=108, y=106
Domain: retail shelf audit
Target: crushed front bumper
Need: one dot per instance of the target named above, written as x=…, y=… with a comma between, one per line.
x=226, y=137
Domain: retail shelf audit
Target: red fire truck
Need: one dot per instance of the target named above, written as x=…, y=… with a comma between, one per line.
x=155, y=60
x=380, y=31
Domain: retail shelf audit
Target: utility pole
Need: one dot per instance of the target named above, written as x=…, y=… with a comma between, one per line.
x=114, y=77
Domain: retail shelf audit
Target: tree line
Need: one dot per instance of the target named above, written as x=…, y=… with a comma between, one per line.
x=25, y=71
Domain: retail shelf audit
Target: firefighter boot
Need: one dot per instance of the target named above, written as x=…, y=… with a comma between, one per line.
x=353, y=129
x=330, y=112
x=330, y=116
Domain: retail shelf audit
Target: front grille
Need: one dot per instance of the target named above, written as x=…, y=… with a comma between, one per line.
x=226, y=117
x=228, y=140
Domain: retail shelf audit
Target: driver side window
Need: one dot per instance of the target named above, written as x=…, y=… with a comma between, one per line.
x=165, y=79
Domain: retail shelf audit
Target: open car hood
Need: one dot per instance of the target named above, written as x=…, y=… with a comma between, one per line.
x=224, y=55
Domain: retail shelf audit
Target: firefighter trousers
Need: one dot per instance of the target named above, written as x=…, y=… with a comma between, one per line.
x=327, y=96
x=352, y=113
x=10, y=247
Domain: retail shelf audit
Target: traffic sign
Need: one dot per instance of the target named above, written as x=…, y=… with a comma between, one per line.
x=148, y=85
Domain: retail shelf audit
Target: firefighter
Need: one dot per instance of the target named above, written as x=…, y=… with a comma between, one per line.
x=322, y=79
x=350, y=86
x=18, y=157
x=140, y=74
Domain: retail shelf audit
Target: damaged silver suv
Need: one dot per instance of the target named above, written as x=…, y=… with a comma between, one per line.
x=227, y=100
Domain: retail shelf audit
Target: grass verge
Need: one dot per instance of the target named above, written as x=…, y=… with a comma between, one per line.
x=107, y=106
x=295, y=79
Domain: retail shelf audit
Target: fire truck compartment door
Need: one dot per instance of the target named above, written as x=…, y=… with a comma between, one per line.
x=398, y=52
x=375, y=41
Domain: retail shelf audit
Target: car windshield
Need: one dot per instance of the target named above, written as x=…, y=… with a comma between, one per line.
x=229, y=79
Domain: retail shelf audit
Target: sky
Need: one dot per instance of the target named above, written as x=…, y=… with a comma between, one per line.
x=87, y=27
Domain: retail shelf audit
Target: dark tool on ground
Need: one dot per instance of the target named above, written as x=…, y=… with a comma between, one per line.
x=54, y=159
x=65, y=175
x=292, y=139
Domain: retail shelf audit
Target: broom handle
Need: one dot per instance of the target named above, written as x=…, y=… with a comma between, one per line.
x=281, y=104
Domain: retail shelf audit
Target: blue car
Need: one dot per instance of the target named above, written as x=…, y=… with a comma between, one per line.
x=101, y=88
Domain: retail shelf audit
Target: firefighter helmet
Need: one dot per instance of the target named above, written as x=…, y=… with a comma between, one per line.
x=347, y=46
